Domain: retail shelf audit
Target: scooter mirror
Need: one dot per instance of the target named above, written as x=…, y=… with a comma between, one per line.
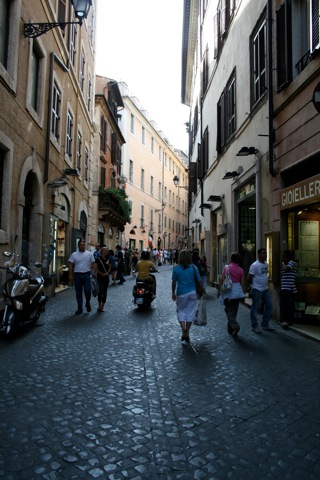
x=6, y=254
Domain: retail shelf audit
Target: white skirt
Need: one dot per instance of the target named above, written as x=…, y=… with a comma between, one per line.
x=186, y=306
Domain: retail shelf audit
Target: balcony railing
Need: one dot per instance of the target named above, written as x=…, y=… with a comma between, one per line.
x=114, y=206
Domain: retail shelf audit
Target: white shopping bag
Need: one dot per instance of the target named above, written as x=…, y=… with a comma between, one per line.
x=200, y=316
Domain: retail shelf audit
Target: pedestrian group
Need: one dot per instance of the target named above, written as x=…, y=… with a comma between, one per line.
x=189, y=281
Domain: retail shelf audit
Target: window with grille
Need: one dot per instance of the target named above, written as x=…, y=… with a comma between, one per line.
x=297, y=37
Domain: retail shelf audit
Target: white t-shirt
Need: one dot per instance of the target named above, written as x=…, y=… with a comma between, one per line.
x=259, y=271
x=82, y=261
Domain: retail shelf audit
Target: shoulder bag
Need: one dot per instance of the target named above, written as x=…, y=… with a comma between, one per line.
x=227, y=282
x=199, y=289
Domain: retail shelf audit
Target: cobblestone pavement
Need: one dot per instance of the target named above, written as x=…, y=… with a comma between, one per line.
x=116, y=396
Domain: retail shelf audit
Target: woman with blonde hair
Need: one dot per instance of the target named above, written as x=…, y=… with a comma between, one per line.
x=184, y=293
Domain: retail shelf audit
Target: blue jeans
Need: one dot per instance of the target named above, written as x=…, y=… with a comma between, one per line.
x=257, y=297
x=82, y=281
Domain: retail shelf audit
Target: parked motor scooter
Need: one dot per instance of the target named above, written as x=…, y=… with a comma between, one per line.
x=143, y=294
x=23, y=294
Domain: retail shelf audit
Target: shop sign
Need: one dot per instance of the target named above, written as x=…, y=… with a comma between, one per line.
x=246, y=190
x=300, y=193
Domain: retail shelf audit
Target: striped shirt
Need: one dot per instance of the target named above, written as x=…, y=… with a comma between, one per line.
x=288, y=276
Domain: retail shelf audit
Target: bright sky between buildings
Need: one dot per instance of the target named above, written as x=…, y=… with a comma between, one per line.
x=139, y=43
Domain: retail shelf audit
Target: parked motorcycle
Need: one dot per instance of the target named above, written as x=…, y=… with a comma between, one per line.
x=143, y=294
x=23, y=294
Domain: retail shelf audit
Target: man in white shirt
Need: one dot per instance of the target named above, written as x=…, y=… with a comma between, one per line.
x=81, y=263
x=258, y=278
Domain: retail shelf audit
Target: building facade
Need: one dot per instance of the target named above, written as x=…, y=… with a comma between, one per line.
x=46, y=132
x=254, y=134
x=159, y=209
x=296, y=112
x=108, y=215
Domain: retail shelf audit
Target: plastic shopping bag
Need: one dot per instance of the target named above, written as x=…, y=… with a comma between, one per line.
x=94, y=286
x=200, y=316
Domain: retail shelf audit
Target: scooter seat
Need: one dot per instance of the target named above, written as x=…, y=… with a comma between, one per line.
x=37, y=280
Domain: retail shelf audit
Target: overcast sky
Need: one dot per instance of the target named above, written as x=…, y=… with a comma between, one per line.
x=139, y=42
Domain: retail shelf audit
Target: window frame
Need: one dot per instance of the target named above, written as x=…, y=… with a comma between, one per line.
x=258, y=71
x=79, y=149
x=55, y=111
x=69, y=134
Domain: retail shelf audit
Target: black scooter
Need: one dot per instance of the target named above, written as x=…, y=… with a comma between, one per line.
x=23, y=294
x=143, y=293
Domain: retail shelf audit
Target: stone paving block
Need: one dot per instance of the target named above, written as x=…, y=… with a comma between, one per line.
x=115, y=396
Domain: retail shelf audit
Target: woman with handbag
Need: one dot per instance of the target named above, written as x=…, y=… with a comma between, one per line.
x=103, y=272
x=231, y=297
x=185, y=276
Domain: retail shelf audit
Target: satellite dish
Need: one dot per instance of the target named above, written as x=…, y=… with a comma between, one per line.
x=58, y=182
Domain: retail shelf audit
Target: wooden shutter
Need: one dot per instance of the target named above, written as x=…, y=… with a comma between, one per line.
x=315, y=25
x=283, y=31
x=193, y=177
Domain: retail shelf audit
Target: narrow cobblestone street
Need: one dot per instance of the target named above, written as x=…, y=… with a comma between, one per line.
x=116, y=396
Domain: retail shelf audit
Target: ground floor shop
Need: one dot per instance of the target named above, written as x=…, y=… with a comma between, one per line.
x=300, y=220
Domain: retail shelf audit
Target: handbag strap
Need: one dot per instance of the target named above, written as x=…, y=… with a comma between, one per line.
x=104, y=268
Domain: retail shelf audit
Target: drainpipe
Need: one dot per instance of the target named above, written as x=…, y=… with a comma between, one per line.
x=53, y=58
x=258, y=202
x=272, y=169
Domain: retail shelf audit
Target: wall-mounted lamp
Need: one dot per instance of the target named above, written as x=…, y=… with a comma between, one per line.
x=176, y=181
x=81, y=10
x=234, y=174
x=230, y=175
x=62, y=207
x=58, y=182
x=245, y=151
x=215, y=198
x=71, y=172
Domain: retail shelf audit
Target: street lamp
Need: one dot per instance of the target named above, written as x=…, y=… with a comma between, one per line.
x=81, y=10
x=176, y=181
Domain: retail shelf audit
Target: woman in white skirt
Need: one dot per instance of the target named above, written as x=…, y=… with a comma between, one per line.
x=184, y=291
